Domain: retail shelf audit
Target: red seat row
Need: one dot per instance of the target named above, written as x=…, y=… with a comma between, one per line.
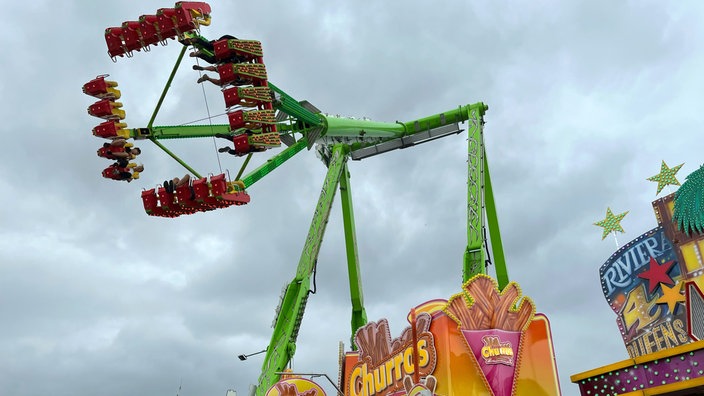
x=201, y=196
x=168, y=23
x=248, y=73
x=244, y=69
x=106, y=108
x=257, y=95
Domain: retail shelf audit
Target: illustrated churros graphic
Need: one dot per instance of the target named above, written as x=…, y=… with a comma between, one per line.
x=492, y=324
x=481, y=307
x=374, y=339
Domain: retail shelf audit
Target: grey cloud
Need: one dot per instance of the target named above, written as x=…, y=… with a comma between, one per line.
x=585, y=100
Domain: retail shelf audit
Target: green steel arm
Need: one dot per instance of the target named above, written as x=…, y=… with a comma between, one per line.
x=346, y=127
x=179, y=132
x=179, y=160
x=166, y=88
x=460, y=114
x=359, y=314
x=273, y=163
x=290, y=312
x=244, y=166
x=362, y=133
x=497, y=248
x=290, y=106
x=474, y=254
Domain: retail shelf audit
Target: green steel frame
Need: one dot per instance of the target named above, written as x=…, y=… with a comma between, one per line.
x=359, y=314
x=293, y=304
x=342, y=136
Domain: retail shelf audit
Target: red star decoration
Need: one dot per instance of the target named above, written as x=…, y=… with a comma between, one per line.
x=656, y=274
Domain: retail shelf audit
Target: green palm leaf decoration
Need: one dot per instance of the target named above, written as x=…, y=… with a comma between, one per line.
x=689, y=203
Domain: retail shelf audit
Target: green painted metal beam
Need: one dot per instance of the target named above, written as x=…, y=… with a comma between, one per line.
x=359, y=314
x=290, y=312
x=244, y=166
x=458, y=115
x=348, y=127
x=179, y=131
x=290, y=106
x=274, y=162
x=384, y=132
x=497, y=247
x=166, y=88
x=474, y=256
x=179, y=160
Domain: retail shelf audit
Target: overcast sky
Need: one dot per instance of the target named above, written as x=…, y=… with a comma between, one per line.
x=585, y=99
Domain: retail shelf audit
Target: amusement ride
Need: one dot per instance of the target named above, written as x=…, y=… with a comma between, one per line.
x=485, y=340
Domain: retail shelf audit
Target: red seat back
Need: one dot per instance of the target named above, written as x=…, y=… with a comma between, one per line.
x=185, y=201
x=165, y=21
x=101, y=109
x=241, y=143
x=218, y=185
x=113, y=38
x=221, y=50
x=200, y=189
x=96, y=87
x=148, y=28
x=227, y=73
x=150, y=200
x=131, y=35
x=166, y=199
x=185, y=18
x=107, y=129
x=232, y=96
x=202, y=7
x=236, y=119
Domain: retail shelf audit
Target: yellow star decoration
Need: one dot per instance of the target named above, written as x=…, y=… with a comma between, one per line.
x=671, y=296
x=611, y=223
x=666, y=177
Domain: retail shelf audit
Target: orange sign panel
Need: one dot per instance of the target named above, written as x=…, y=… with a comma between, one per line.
x=453, y=359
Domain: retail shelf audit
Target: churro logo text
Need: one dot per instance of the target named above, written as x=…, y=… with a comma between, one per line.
x=497, y=352
x=383, y=362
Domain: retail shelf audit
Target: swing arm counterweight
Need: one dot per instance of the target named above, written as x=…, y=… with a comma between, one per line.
x=290, y=311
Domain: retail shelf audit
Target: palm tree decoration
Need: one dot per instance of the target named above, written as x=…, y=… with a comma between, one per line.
x=689, y=203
